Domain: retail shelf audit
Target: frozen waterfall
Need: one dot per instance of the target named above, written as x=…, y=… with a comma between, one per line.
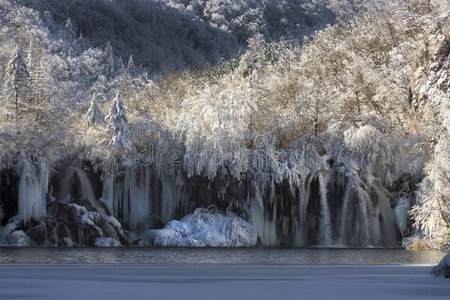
x=327, y=207
x=33, y=185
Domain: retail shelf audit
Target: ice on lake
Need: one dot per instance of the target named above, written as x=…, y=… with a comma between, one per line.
x=248, y=281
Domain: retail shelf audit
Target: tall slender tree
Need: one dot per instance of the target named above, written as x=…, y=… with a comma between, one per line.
x=118, y=124
x=16, y=85
x=131, y=67
x=94, y=116
x=109, y=60
x=121, y=66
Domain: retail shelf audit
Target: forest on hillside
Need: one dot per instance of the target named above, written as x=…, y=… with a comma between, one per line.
x=317, y=122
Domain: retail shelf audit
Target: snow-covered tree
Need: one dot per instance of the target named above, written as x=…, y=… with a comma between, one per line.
x=81, y=41
x=431, y=100
x=314, y=108
x=121, y=65
x=432, y=213
x=110, y=68
x=131, y=68
x=118, y=124
x=94, y=116
x=17, y=85
x=38, y=78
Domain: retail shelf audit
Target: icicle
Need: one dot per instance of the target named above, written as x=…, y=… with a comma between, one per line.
x=401, y=214
x=40, y=203
x=33, y=191
x=264, y=226
x=344, y=215
x=172, y=198
x=301, y=227
x=107, y=193
x=26, y=193
x=85, y=189
x=139, y=197
x=129, y=198
x=363, y=201
x=325, y=223
x=387, y=226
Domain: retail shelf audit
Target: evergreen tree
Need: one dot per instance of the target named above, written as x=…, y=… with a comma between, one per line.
x=131, y=67
x=94, y=115
x=109, y=60
x=81, y=41
x=118, y=124
x=17, y=84
x=122, y=69
x=37, y=81
x=69, y=33
x=35, y=69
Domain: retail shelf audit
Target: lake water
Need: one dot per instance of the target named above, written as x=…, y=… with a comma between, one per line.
x=302, y=256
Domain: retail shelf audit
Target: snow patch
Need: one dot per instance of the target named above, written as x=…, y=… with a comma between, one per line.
x=107, y=242
x=443, y=269
x=204, y=228
x=9, y=236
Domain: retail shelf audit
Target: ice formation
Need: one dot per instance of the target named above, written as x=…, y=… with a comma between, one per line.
x=204, y=228
x=107, y=242
x=401, y=211
x=443, y=268
x=298, y=198
x=10, y=235
x=33, y=187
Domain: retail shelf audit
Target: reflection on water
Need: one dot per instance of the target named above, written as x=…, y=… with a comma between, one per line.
x=215, y=255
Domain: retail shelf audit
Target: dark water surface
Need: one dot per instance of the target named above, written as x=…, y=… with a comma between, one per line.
x=308, y=256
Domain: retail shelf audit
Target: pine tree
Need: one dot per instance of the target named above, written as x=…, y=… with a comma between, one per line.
x=118, y=124
x=69, y=34
x=131, y=67
x=37, y=81
x=94, y=115
x=122, y=69
x=109, y=60
x=81, y=41
x=35, y=69
x=17, y=84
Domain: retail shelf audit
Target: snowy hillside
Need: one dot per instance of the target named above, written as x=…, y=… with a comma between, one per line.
x=173, y=35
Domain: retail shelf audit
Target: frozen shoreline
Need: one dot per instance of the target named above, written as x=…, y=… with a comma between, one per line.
x=218, y=281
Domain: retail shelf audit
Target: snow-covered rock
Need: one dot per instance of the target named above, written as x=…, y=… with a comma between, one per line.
x=443, y=268
x=11, y=235
x=204, y=229
x=107, y=242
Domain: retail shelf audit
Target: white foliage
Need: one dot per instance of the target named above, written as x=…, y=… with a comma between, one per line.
x=215, y=130
x=118, y=124
x=94, y=116
x=17, y=78
x=432, y=210
x=373, y=152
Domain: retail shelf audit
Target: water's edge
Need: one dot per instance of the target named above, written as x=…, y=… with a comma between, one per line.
x=227, y=256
